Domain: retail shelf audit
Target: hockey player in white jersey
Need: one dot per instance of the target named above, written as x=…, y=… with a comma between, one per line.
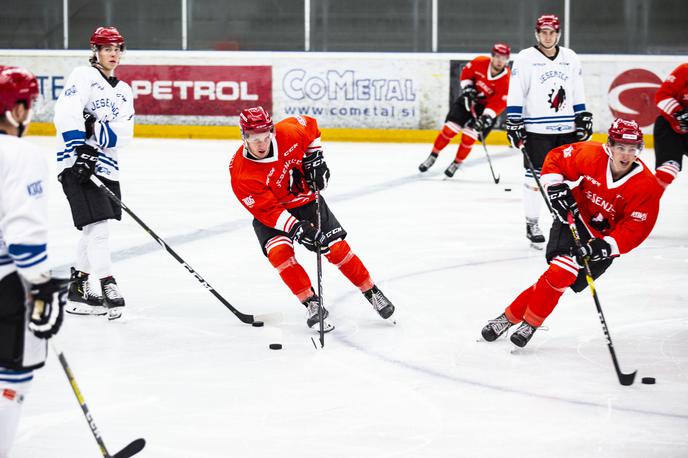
x=94, y=118
x=31, y=302
x=545, y=109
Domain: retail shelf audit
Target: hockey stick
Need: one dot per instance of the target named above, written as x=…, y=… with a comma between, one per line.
x=130, y=450
x=531, y=167
x=321, y=318
x=242, y=316
x=489, y=160
x=624, y=379
x=482, y=140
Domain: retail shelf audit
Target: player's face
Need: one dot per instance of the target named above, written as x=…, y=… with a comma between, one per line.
x=623, y=156
x=109, y=56
x=547, y=38
x=499, y=61
x=258, y=143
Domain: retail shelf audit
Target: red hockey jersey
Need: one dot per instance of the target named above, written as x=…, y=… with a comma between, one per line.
x=672, y=95
x=622, y=212
x=492, y=90
x=268, y=187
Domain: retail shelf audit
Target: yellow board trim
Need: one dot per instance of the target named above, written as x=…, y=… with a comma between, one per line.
x=329, y=134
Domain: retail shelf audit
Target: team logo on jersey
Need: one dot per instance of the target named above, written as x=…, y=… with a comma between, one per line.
x=70, y=91
x=248, y=201
x=632, y=96
x=35, y=188
x=599, y=222
x=301, y=120
x=556, y=99
x=639, y=216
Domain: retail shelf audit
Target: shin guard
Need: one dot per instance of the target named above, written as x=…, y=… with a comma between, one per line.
x=562, y=273
x=465, y=147
x=350, y=265
x=449, y=131
x=280, y=253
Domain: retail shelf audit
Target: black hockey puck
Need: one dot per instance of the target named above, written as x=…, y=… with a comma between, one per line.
x=507, y=189
x=275, y=346
x=257, y=324
x=648, y=380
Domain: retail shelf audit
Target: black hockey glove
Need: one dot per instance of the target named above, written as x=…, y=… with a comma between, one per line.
x=583, y=123
x=89, y=121
x=562, y=201
x=85, y=164
x=307, y=235
x=483, y=124
x=682, y=118
x=316, y=170
x=468, y=97
x=595, y=250
x=47, y=302
x=515, y=132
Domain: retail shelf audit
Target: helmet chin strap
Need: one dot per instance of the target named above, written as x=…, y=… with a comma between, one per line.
x=20, y=126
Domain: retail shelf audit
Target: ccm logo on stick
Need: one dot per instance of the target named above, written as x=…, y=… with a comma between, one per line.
x=194, y=90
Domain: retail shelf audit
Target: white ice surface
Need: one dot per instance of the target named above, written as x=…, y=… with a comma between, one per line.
x=181, y=371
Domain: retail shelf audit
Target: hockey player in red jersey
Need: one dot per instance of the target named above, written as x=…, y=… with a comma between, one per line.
x=274, y=175
x=484, y=84
x=615, y=206
x=671, y=126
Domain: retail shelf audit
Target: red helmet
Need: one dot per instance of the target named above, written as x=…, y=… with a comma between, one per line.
x=255, y=119
x=623, y=131
x=501, y=48
x=16, y=85
x=547, y=21
x=104, y=36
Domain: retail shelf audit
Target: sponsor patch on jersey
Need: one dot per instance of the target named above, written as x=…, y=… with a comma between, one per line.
x=35, y=188
x=592, y=180
x=639, y=216
x=568, y=151
x=300, y=119
x=248, y=201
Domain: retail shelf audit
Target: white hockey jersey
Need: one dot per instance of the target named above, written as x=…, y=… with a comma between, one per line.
x=23, y=227
x=546, y=93
x=88, y=91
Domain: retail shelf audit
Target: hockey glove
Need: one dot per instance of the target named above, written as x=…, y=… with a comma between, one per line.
x=89, y=121
x=47, y=302
x=515, y=132
x=316, y=170
x=595, y=250
x=682, y=119
x=483, y=124
x=85, y=164
x=583, y=123
x=307, y=235
x=562, y=201
x=468, y=97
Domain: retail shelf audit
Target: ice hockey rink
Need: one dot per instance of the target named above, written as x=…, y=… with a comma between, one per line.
x=184, y=373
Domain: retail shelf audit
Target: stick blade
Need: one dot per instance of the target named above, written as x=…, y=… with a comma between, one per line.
x=627, y=379
x=131, y=449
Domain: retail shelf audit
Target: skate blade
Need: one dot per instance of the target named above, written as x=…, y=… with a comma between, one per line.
x=114, y=313
x=538, y=246
x=327, y=327
x=75, y=308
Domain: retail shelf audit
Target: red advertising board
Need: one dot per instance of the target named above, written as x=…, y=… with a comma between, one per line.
x=198, y=90
x=632, y=96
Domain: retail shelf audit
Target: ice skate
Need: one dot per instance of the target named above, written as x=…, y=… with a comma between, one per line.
x=495, y=328
x=81, y=299
x=426, y=164
x=534, y=234
x=451, y=170
x=523, y=334
x=313, y=320
x=379, y=301
x=112, y=297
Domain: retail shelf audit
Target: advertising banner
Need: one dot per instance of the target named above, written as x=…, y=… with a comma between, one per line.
x=362, y=93
x=197, y=90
